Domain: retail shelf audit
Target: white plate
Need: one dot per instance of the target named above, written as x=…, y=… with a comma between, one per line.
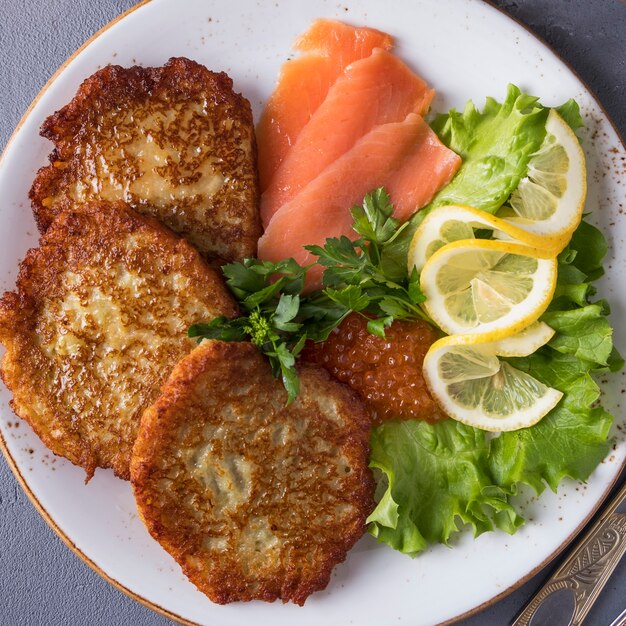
x=465, y=50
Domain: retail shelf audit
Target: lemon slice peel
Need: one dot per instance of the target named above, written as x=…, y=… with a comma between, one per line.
x=549, y=201
x=473, y=386
x=477, y=286
x=456, y=222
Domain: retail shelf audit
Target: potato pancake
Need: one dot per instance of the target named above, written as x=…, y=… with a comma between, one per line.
x=175, y=142
x=254, y=498
x=97, y=322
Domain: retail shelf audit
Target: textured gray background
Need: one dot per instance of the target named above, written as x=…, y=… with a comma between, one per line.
x=41, y=582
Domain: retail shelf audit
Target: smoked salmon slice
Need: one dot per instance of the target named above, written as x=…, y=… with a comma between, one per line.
x=380, y=158
x=342, y=41
x=329, y=48
x=428, y=168
x=372, y=91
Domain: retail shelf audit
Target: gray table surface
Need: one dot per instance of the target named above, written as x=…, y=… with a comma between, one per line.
x=41, y=582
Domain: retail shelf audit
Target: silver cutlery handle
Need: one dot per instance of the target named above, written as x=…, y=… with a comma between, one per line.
x=568, y=595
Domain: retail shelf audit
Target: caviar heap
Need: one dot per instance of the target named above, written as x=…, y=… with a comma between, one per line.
x=386, y=373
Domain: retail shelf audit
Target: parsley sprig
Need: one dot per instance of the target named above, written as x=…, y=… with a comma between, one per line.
x=279, y=319
x=355, y=275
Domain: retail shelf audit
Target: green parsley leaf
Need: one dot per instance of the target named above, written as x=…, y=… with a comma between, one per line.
x=378, y=325
x=219, y=328
x=351, y=297
x=373, y=219
x=286, y=310
x=286, y=365
x=414, y=291
x=279, y=318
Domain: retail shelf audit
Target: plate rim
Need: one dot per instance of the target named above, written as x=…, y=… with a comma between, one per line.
x=152, y=605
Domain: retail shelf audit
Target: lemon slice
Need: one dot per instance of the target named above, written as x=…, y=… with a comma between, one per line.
x=550, y=200
x=525, y=342
x=477, y=286
x=454, y=222
x=473, y=386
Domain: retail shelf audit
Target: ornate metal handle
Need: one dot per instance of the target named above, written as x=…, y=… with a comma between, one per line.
x=570, y=592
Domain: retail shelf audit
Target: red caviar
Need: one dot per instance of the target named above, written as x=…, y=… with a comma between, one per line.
x=386, y=373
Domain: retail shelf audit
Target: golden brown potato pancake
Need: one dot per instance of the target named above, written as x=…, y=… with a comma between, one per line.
x=253, y=498
x=175, y=142
x=97, y=322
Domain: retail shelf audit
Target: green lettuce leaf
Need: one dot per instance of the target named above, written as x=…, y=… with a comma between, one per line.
x=437, y=479
x=570, y=112
x=495, y=146
x=587, y=250
x=584, y=332
x=564, y=443
x=572, y=439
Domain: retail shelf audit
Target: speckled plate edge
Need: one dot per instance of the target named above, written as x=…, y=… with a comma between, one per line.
x=3, y=446
x=155, y=607
x=609, y=489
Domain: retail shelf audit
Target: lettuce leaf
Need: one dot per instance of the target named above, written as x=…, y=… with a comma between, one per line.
x=437, y=478
x=434, y=478
x=583, y=332
x=572, y=439
x=495, y=146
x=570, y=112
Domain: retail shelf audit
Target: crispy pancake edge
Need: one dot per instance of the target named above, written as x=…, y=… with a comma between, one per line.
x=37, y=275
x=112, y=84
x=163, y=418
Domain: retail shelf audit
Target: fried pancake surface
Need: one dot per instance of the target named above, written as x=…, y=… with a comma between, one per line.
x=254, y=499
x=98, y=320
x=174, y=142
